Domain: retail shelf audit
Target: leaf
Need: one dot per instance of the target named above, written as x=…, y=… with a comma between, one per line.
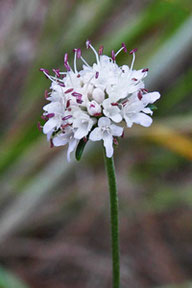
x=152, y=107
x=80, y=149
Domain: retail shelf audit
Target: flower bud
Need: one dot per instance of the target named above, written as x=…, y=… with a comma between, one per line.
x=93, y=108
x=98, y=95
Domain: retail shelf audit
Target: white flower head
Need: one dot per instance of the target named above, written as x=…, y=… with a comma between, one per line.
x=88, y=104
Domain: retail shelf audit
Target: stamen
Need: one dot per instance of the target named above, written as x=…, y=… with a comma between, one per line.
x=76, y=94
x=115, y=141
x=75, y=61
x=67, y=117
x=97, y=75
x=113, y=55
x=79, y=101
x=134, y=79
x=57, y=72
x=68, y=103
x=132, y=52
x=39, y=126
x=44, y=70
x=85, y=139
x=78, y=53
x=61, y=84
x=139, y=95
x=69, y=90
x=51, y=143
x=44, y=118
x=145, y=70
x=124, y=47
x=50, y=115
x=114, y=104
x=97, y=114
x=88, y=45
x=46, y=94
x=65, y=58
x=92, y=106
x=67, y=66
x=85, y=62
x=101, y=50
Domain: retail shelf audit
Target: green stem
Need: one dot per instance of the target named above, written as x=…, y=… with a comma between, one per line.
x=110, y=169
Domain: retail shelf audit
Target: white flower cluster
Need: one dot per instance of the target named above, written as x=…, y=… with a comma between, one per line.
x=88, y=104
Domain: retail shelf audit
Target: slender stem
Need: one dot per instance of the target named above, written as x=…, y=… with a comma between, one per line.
x=110, y=169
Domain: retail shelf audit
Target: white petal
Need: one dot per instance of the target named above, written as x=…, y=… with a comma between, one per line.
x=60, y=140
x=116, y=118
x=95, y=135
x=147, y=111
x=116, y=130
x=80, y=133
x=128, y=121
x=150, y=98
x=53, y=107
x=72, y=145
x=108, y=143
x=49, y=125
x=142, y=119
x=104, y=121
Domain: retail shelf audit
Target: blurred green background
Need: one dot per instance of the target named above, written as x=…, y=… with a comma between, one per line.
x=54, y=216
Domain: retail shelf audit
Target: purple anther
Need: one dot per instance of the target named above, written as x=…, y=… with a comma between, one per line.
x=78, y=75
x=68, y=103
x=88, y=43
x=65, y=58
x=97, y=114
x=92, y=106
x=139, y=95
x=101, y=50
x=67, y=66
x=46, y=94
x=67, y=117
x=85, y=139
x=115, y=141
x=133, y=51
x=144, y=90
x=123, y=134
x=97, y=75
x=44, y=70
x=61, y=84
x=57, y=72
x=51, y=143
x=134, y=79
x=113, y=55
x=50, y=115
x=145, y=70
x=124, y=47
x=39, y=126
x=69, y=90
x=114, y=104
x=44, y=118
x=76, y=94
x=79, y=101
x=78, y=53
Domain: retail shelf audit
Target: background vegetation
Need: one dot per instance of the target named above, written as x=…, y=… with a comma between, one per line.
x=54, y=224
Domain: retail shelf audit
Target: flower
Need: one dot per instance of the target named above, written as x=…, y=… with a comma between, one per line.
x=88, y=104
x=105, y=131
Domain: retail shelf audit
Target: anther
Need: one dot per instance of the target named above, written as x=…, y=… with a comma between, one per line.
x=39, y=126
x=57, y=72
x=67, y=117
x=88, y=43
x=97, y=75
x=124, y=47
x=78, y=53
x=113, y=55
x=133, y=51
x=139, y=95
x=46, y=94
x=69, y=90
x=65, y=58
x=50, y=115
x=101, y=50
x=145, y=70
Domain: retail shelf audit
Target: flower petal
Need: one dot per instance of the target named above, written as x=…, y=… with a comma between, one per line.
x=60, y=140
x=95, y=135
x=142, y=119
x=104, y=121
x=150, y=98
x=49, y=125
x=108, y=144
x=72, y=146
x=116, y=130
